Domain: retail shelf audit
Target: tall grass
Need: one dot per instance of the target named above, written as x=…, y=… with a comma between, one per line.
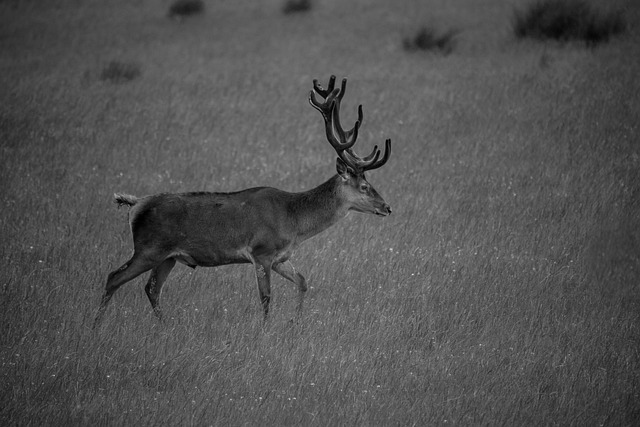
x=502, y=290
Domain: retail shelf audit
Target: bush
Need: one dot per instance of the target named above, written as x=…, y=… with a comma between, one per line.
x=295, y=6
x=427, y=39
x=184, y=8
x=120, y=72
x=566, y=20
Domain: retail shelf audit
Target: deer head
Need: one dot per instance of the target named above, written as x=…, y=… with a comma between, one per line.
x=358, y=192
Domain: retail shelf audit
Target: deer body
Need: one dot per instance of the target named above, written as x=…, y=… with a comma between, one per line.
x=261, y=225
x=211, y=229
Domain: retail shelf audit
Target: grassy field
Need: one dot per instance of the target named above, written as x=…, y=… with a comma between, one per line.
x=503, y=290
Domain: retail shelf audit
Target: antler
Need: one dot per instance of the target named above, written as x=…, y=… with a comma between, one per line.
x=342, y=140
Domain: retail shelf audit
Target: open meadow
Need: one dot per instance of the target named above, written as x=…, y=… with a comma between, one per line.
x=503, y=290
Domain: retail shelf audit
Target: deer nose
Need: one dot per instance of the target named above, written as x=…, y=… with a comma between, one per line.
x=387, y=208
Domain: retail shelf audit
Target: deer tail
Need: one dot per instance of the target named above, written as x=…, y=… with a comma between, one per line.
x=125, y=199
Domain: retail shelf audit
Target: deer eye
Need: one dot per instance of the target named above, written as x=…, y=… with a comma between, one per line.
x=364, y=187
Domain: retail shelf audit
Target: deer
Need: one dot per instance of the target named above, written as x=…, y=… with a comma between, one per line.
x=262, y=226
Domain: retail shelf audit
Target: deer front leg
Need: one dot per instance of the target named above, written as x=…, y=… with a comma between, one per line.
x=263, y=277
x=288, y=271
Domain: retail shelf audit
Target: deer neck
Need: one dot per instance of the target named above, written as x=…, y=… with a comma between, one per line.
x=319, y=208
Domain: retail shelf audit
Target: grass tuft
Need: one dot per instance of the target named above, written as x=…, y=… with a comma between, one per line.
x=296, y=6
x=184, y=8
x=566, y=20
x=120, y=72
x=428, y=39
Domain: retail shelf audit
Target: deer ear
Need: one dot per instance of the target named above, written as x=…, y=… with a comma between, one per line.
x=343, y=169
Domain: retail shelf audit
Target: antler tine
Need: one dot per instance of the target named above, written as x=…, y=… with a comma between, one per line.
x=356, y=127
x=321, y=91
x=351, y=135
x=343, y=88
x=371, y=161
x=325, y=107
x=370, y=157
x=363, y=163
x=375, y=164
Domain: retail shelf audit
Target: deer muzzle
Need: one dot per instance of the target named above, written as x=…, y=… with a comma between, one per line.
x=384, y=211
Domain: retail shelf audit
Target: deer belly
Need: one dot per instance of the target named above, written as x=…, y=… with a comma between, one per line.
x=208, y=259
x=184, y=258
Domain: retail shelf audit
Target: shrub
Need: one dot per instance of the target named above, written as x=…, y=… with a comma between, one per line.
x=184, y=8
x=427, y=39
x=566, y=20
x=295, y=6
x=120, y=72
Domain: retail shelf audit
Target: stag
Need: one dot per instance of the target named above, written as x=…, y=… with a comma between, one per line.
x=262, y=226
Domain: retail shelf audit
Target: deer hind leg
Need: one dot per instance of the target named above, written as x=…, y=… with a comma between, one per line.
x=288, y=271
x=128, y=271
x=154, y=285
